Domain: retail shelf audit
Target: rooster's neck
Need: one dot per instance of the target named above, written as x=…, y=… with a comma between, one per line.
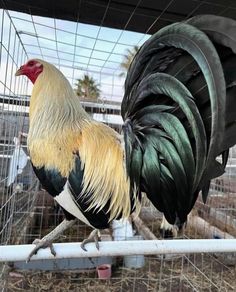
x=54, y=106
x=56, y=122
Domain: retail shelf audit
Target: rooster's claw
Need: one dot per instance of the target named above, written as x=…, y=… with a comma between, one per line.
x=41, y=243
x=93, y=237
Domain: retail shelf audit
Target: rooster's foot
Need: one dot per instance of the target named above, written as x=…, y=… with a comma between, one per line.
x=93, y=237
x=41, y=243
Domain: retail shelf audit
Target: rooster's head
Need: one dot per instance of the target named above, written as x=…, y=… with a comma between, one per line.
x=31, y=69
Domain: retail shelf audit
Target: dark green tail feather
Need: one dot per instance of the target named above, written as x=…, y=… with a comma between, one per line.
x=199, y=125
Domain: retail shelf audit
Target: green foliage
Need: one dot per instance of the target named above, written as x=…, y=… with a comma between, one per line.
x=87, y=88
x=128, y=58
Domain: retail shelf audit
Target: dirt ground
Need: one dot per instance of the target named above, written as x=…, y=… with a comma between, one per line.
x=158, y=274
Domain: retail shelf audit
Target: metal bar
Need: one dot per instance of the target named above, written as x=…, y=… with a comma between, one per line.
x=70, y=32
x=75, y=63
x=11, y=253
x=68, y=53
x=64, y=43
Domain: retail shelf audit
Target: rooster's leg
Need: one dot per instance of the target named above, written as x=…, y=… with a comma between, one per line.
x=47, y=240
x=93, y=237
x=167, y=230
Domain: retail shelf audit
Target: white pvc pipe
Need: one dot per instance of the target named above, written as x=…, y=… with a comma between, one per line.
x=11, y=253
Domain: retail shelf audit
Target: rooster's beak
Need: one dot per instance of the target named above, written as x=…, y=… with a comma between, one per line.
x=19, y=71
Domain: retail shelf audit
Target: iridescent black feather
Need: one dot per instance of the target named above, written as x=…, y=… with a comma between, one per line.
x=179, y=110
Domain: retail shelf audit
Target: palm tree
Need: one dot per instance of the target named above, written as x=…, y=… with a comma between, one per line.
x=87, y=88
x=128, y=58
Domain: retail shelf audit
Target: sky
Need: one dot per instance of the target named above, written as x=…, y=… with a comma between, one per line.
x=75, y=48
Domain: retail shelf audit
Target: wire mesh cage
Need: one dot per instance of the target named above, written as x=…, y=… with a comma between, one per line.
x=27, y=212
x=16, y=200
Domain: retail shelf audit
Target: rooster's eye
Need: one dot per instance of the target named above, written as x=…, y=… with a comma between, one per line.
x=31, y=63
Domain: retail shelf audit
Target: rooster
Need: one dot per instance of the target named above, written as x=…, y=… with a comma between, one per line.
x=179, y=111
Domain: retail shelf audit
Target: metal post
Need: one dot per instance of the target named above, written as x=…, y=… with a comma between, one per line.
x=11, y=253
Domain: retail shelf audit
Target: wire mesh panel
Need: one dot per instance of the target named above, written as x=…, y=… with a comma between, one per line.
x=16, y=191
